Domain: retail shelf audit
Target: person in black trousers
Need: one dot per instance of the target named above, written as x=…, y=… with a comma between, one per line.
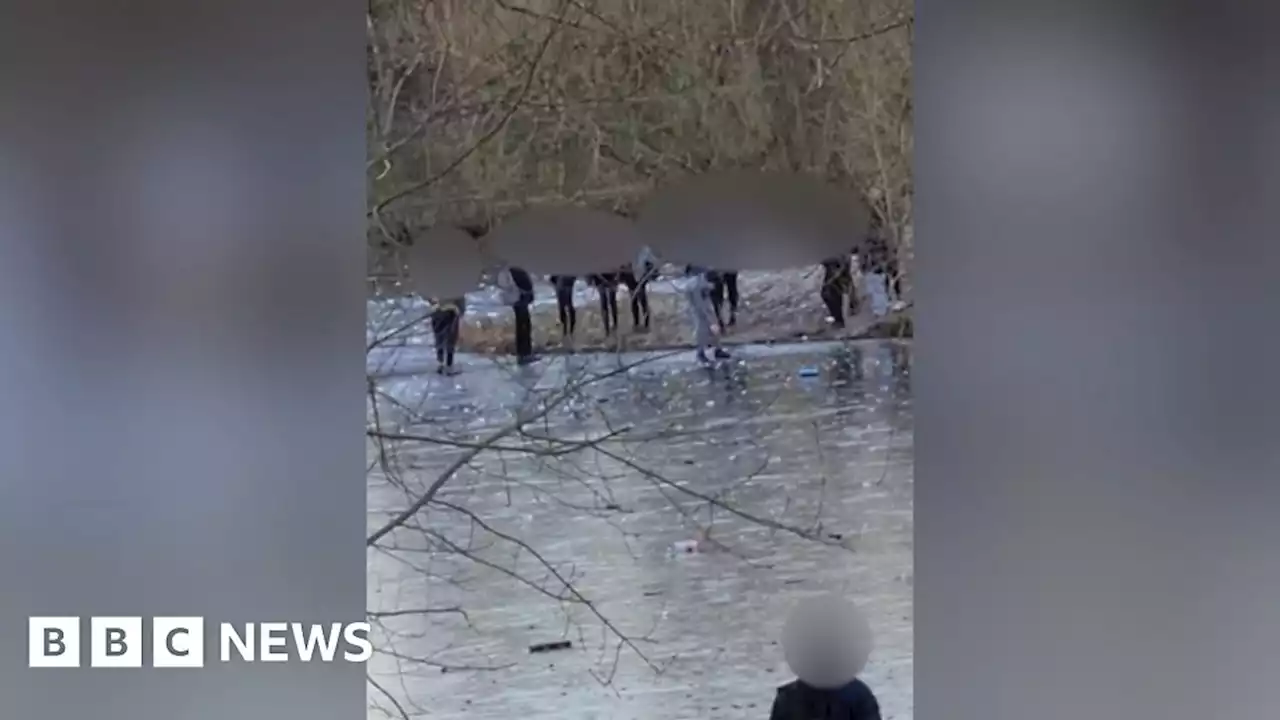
x=637, y=289
x=837, y=284
x=724, y=284
x=523, y=287
x=563, y=285
x=644, y=271
x=607, y=285
x=446, y=324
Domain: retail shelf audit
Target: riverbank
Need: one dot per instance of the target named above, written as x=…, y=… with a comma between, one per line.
x=774, y=307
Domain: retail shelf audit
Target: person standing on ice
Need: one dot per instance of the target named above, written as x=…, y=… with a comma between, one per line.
x=837, y=288
x=697, y=290
x=724, y=286
x=563, y=285
x=516, y=289
x=446, y=324
x=637, y=278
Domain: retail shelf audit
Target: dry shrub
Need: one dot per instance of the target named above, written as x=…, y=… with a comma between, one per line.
x=481, y=107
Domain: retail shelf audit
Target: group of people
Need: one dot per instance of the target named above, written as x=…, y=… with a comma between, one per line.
x=878, y=266
x=635, y=278
x=712, y=296
x=707, y=291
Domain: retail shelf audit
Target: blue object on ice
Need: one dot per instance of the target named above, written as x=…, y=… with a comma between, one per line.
x=809, y=372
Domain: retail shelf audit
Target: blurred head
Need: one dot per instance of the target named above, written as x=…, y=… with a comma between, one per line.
x=827, y=641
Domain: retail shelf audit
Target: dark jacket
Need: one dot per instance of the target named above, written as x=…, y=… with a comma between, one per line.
x=838, y=272
x=605, y=281
x=798, y=701
x=524, y=283
x=874, y=253
x=450, y=305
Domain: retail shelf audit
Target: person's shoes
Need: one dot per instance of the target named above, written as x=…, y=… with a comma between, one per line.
x=722, y=354
x=440, y=369
x=451, y=371
x=527, y=360
x=702, y=357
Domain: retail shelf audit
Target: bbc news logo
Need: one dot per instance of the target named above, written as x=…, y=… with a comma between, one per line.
x=179, y=642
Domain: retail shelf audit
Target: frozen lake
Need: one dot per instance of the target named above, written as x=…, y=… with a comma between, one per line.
x=660, y=516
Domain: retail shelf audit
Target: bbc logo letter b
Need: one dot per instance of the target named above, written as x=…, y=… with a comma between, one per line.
x=115, y=642
x=53, y=642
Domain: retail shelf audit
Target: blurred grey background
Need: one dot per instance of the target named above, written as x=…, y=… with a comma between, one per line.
x=184, y=395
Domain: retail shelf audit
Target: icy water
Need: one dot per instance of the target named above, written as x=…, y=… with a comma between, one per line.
x=662, y=518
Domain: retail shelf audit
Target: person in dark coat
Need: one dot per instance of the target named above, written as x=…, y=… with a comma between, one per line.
x=446, y=324
x=606, y=284
x=837, y=285
x=517, y=290
x=875, y=255
x=637, y=278
x=798, y=701
x=724, y=286
x=638, y=291
x=563, y=285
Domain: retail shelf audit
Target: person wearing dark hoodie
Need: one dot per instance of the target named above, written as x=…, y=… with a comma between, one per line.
x=446, y=324
x=799, y=701
x=827, y=643
x=837, y=286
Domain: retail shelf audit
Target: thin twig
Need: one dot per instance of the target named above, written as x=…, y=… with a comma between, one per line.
x=530, y=76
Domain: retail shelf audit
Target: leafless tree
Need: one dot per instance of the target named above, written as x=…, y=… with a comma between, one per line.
x=481, y=107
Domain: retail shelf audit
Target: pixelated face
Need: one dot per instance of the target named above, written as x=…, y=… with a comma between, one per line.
x=827, y=641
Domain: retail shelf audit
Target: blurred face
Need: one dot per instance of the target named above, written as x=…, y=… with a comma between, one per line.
x=827, y=641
